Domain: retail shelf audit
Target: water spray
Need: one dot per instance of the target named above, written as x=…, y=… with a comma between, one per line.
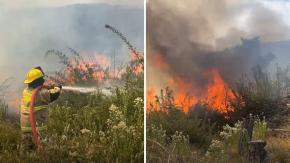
x=80, y=89
x=105, y=91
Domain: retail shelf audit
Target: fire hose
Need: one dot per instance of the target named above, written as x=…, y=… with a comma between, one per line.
x=67, y=88
x=31, y=115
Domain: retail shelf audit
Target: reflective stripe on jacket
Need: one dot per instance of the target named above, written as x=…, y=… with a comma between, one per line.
x=40, y=109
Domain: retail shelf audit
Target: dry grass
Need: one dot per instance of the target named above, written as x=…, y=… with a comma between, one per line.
x=278, y=149
x=278, y=145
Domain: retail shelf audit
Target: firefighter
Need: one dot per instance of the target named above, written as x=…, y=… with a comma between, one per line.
x=42, y=96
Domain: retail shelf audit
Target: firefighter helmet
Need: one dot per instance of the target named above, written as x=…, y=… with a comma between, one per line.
x=32, y=75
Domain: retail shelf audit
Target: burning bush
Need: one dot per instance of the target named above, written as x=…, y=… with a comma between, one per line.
x=259, y=95
x=172, y=119
x=80, y=71
x=92, y=71
x=262, y=96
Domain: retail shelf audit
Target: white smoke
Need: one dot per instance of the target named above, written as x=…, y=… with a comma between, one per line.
x=16, y=4
x=26, y=34
x=28, y=30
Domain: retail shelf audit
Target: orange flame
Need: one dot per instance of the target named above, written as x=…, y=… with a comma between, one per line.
x=183, y=98
x=90, y=69
x=86, y=69
x=159, y=61
x=150, y=99
x=217, y=94
x=137, y=67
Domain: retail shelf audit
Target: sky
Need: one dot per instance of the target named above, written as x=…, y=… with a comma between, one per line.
x=15, y=4
x=281, y=7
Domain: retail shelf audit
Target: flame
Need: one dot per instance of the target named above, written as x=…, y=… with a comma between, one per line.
x=138, y=67
x=159, y=61
x=92, y=69
x=150, y=99
x=85, y=69
x=217, y=93
x=183, y=98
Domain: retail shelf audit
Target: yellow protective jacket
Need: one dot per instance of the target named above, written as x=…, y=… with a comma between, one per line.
x=40, y=109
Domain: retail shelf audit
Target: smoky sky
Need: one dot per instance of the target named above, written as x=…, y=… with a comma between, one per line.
x=53, y=3
x=198, y=36
x=26, y=34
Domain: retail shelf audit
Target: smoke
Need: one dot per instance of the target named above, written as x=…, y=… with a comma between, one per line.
x=53, y=3
x=26, y=34
x=194, y=37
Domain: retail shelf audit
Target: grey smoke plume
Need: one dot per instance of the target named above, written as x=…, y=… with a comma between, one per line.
x=196, y=36
x=27, y=33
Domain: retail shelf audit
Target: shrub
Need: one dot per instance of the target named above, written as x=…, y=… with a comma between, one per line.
x=3, y=110
x=259, y=129
x=262, y=97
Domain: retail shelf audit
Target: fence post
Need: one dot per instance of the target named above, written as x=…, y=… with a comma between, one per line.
x=246, y=135
x=257, y=152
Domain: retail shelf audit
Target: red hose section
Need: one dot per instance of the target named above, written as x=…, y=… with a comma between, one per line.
x=31, y=115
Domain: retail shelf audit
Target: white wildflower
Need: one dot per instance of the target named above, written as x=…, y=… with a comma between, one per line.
x=63, y=137
x=83, y=131
x=122, y=125
x=109, y=122
x=216, y=148
x=113, y=108
x=138, y=102
x=102, y=136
